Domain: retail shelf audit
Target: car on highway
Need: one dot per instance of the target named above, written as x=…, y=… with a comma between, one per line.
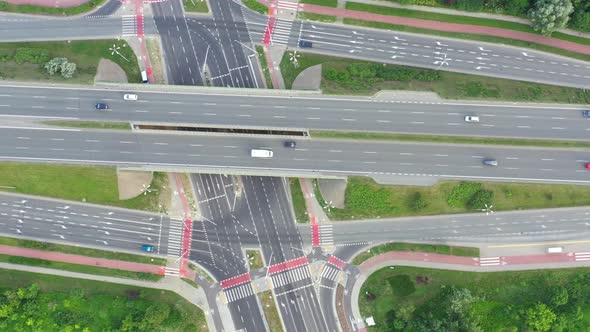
x=305, y=43
x=587, y=166
x=101, y=106
x=471, y=118
x=130, y=96
x=290, y=144
x=147, y=248
x=586, y=114
x=490, y=162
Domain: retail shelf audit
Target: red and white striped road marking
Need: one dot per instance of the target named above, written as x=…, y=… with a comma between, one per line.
x=337, y=262
x=489, y=261
x=582, y=256
x=234, y=281
x=290, y=264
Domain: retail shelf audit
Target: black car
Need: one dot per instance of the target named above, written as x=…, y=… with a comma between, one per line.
x=305, y=43
x=101, y=106
x=586, y=114
x=290, y=144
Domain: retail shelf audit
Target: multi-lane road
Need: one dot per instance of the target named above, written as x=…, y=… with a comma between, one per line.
x=306, y=112
x=392, y=162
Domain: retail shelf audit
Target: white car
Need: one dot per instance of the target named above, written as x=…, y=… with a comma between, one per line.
x=130, y=96
x=471, y=118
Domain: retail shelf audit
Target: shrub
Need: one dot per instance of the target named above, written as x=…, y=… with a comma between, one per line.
x=402, y=285
x=462, y=193
x=469, y=5
x=31, y=55
x=55, y=65
x=480, y=199
x=417, y=202
x=580, y=20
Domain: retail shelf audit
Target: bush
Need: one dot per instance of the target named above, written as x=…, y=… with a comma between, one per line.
x=417, y=202
x=469, y=5
x=550, y=15
x=580, y=20
x=402, y=285
x=462, y=193
x=31, y=55
x=480, y=199
x=55, y=65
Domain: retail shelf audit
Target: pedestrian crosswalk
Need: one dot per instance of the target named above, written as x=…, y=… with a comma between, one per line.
x=238, y=292
x=175, y=231
x=281, y=32
x=489, y=261
x=582, y=256
x=171, y=271
x=326, y=235
x=330, y=272
x=287, y=5
x=290, y=276
x=129, y=25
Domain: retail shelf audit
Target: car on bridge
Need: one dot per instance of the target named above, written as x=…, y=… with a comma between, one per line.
x=587, y=166
x=101, y=106
x=130, y=96
x=471, y=118
x=490, y=162
x=305, y=43
x=586, y=114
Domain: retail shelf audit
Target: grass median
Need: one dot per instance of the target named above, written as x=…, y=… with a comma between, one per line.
x=79, y=268
x=91, y=184
x=366, y=199
x=447, y=139
x=469, y=36
x=96, y=306
x=418, y=247
x=419, y=299
x=31, y=9
x=271, y=313
x=90, y=124
x=75, y=250
x=325, y=3
x=255, y=6
x=195, y=6
x=254, y=259
x=264, y=65
x=355, y=77
x=298, y=199
x=316, y=17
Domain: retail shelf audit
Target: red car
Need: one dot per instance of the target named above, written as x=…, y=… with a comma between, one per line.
x=587, y=165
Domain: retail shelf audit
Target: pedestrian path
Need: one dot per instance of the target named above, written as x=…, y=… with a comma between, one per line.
x=175, y=231
x=582, y=256
x=489, y=261
x=290, y=276
x=330, y=272
x=281, y=31
x=128, y=25
x=238, y=292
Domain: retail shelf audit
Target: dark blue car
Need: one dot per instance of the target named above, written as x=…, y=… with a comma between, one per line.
x=586, y=114
x=305, y=43
x=101, y=106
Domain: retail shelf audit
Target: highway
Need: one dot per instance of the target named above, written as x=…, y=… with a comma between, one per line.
x=310, y=112
x=345, y=41
x=392, y=162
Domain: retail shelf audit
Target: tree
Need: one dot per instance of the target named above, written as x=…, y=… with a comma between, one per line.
x=68, y=69
x=54, y=65
x=560, y=296
x=540, y=317
x=550, y=15
x=417, y=202
x=480, y=199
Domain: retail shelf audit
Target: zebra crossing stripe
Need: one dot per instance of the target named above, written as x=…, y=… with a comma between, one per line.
x=239, y=292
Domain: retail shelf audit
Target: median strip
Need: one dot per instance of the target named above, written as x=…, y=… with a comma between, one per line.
x=448, y=139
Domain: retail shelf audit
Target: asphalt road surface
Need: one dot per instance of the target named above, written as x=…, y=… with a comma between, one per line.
x=330, y=113
x=394, y=162
x=345, y=41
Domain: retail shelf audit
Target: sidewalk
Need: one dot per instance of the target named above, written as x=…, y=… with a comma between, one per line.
x=50, y=3
x=83, y=260
x=449, y=27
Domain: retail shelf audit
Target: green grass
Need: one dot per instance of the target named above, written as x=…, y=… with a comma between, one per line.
x=103, y=271
x=298, y=201
x=31, y=9
x=201, y=272
x=255, y=6
x=190, y=282
x=92, y=184
x=450, y=85
x=271, y=314
x=316, y=17
x=195, y=6
x=264, y=65
x=365, y=199
x=46, y=246
x=508, y=291
x=448, y=139
x=418, y=247
x=106, y=303
x=86, y=55
x=254, y=259
x=90, y=124
x=325, y=3
x=470, y=36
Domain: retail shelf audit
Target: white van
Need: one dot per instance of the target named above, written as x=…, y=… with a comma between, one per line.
x=259, y=153
x=554, y=250
x=144, y=77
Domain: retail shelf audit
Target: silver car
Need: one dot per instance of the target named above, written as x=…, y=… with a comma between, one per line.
x=490, y=162
x=471, y=118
